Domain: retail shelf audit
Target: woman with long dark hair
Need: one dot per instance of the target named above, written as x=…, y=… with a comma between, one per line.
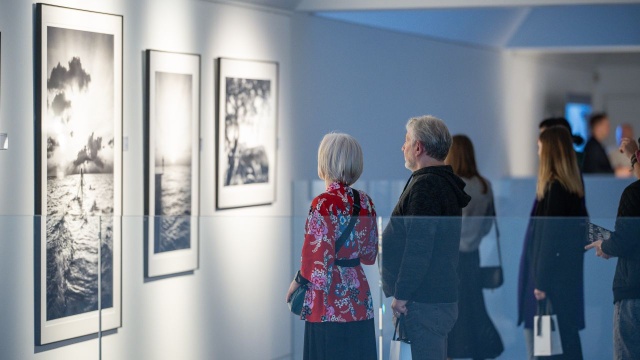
x=474, y=335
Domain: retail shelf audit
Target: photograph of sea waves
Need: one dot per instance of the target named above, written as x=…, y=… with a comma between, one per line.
x=173, y=229
x=80, y=216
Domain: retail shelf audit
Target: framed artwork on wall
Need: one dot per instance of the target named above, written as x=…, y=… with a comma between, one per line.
x=172, y=149
x=246, y=122
x=78, y=186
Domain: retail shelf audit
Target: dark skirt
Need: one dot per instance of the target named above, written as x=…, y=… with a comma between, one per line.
x=354, y=340
x=474, y=335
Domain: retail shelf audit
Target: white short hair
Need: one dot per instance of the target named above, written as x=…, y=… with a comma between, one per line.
x=340, y=158
x=432, y=133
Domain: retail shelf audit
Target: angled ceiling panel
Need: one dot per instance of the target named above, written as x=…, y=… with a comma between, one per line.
x=481, y=26
x=538, y=25
x=579, y=26
x=363, y=5
x=288, y=5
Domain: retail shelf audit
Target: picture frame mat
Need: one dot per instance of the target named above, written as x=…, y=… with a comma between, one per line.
x=176, y=261
x=86, y=323
x=246, y=194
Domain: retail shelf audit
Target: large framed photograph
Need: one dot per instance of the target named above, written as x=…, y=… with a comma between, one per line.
x=172, y=133
x=78, y=130
x=247, y=112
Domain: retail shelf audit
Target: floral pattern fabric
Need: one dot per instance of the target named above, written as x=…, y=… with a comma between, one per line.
x=338, y=294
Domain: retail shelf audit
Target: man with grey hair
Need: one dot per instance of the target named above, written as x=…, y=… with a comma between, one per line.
x=420, y=243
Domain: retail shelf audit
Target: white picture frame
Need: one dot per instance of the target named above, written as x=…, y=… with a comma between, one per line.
x=78, y=66
x=172, y=133
x=246, y=123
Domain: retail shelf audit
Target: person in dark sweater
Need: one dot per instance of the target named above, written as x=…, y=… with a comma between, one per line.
x=552, y=263
x=625, y=245
x=421, y=241
x=596, y=160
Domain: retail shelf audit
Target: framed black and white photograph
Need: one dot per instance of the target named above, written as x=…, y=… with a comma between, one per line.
x=172, y=133
x=247, y=113
x=78, y=183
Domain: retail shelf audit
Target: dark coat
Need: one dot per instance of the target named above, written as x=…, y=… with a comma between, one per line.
x=625, y=244
x=420, y=243
x=557, y=252
x=595, y=159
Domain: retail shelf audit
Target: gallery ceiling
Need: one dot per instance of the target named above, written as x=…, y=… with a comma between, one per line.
x=529, y=25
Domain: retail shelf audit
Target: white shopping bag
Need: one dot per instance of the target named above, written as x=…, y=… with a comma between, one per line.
x=546, y=336
x=400, y=348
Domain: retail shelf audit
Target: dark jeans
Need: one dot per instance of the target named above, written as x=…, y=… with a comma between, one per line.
x=427, y=326
x=626, y=327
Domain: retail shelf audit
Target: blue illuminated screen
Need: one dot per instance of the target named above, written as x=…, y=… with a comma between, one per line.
x=578, y=115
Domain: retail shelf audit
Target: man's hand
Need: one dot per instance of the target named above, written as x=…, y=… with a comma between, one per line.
x=399, y=307
x=539, y=294
x=598, y=246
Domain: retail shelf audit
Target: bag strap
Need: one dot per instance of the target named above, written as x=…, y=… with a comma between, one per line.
x=399, y=332
x=352, y=221
x=548, y=310
x=395, y=329
x=495, y=222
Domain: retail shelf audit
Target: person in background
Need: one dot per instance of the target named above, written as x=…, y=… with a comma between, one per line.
x=596, y=160
x=552, y=263
x=420, y=243
x=474, y=335
x=620, y=161
x=561, y=121
x=625, y=245
x=338, y=307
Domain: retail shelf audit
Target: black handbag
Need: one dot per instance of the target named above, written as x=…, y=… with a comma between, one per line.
x=297, y=298
x=491, y=277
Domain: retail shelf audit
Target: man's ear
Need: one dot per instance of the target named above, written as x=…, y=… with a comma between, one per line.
x=418, y=147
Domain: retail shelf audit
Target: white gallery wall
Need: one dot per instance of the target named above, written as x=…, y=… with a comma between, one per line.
x=333, y=76
x=236, y=296
x=369, y=82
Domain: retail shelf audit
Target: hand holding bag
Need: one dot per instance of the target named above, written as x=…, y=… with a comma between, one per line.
x=491, y=277
x=297, y=298
x=400, y=348
x=546, y=332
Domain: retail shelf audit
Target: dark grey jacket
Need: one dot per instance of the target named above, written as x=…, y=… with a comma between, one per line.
x=420, y=243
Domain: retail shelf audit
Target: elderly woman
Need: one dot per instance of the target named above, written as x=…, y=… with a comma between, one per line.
x=338, y=307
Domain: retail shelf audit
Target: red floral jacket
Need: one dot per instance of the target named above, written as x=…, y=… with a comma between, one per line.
x=338, y=294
